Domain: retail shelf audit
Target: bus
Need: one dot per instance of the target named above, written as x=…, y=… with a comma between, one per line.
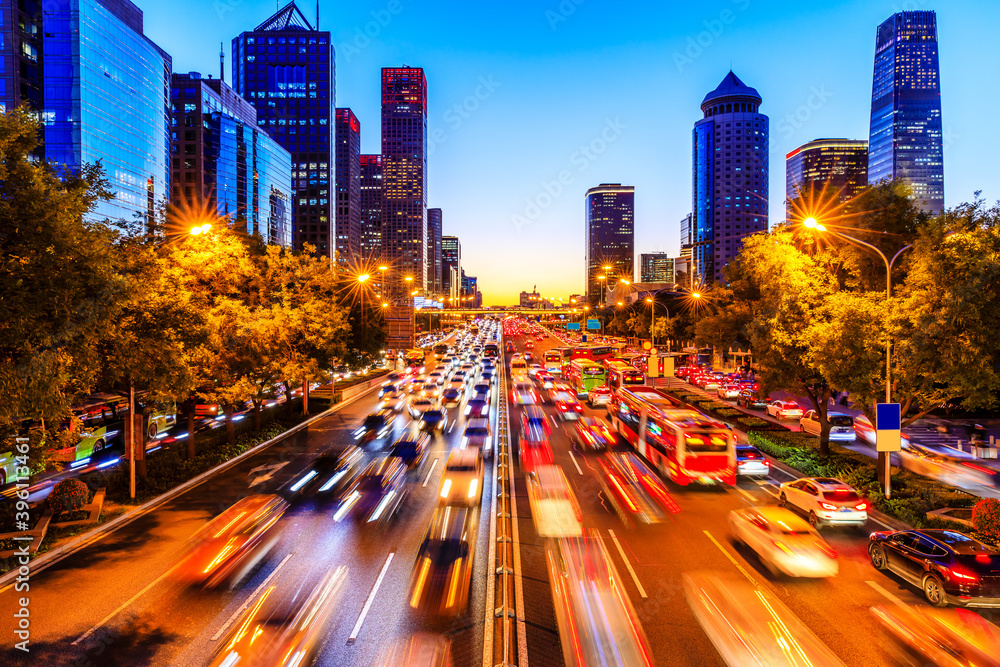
x=518, y=368
x=595, y=353
x=414, y=357
x=584, y=375
x=683, y=445
x=620, y=375
x=553, y=360
x=99, y=423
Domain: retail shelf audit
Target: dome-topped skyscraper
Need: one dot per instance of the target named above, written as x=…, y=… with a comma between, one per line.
x=729, y=176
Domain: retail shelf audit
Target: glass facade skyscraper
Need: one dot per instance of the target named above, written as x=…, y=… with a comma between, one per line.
x=609, y=236
x=730, y=176
x=840, y=164
x=451, y=266
x=348, y=170
x=371, y=206
x=656, y=267
x=21, y=54
x=221, y=156
x=106, y=97
x=284, y=67
x=905, y=139
x=404, y=173
x=434, y=224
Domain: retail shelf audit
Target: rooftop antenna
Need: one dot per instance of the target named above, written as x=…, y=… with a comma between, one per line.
x=222, y=63
x=317, y=15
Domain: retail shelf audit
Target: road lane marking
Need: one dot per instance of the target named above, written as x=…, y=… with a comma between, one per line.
x=574, y=462
x=429, y=473
x=452, y=427
x=731, y=559
x=884, y=525
x=635, y=577
x=125, y=604
x=746, y=494
x=253, y=596
x=370, y=600
x=889, y=596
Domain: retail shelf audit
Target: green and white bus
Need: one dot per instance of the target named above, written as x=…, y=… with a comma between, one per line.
x=584, y=375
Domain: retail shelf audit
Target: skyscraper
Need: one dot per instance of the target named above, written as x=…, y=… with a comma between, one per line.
x=404, y=173
x=348, y=178
x=223, y=158
x=840, y=164
x=656, y=267
x=451, y=266
x=905, y=138
x=609, y=236
x=729, y=176
x=371, y=206
x=284, y=67
x=101, y=89
x=687, y=233
x=434, y=284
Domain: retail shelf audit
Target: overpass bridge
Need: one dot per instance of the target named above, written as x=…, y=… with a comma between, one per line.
x=504, y=311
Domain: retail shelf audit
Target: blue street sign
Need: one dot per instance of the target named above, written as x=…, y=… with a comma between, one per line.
x=887, y=417
x=593, y=324
x=538, y=318
x=573, y=326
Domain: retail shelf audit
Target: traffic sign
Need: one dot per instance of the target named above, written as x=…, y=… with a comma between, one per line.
x=653, y=352
x=888, y=427
x=646, y=345
x=573, y=326
x=593, y=324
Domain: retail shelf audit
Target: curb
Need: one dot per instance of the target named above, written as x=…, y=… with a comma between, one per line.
x=52, y=557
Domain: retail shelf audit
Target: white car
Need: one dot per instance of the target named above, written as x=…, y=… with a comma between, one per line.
x=784, y=542
x=419, y=405
x=750, y=462
x=841, y=425
x=462, y=478
x=784, y=409
x=533, y=369
x=554, y=506
x=825, y=501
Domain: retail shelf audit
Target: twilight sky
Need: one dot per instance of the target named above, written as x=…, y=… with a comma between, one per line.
x=608, y=91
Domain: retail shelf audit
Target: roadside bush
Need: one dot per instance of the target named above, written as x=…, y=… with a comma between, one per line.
x=986, y=517
x=728, y=412
x=752, y=422
x=68, y=495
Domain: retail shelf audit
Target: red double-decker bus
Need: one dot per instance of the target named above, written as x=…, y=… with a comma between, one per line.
x=684, y=445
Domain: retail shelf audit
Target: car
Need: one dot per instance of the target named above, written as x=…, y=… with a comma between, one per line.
x=545, y=379
x=439, y=585
x=481, y=390
x=390, y=392
x=433, y=420
x=487, y=377
x=554, y=507
x=864, y=430
x=728, y=391
x=284, y=623
x=477, y=407
x=824, y=501
x=750, y=462
x=780, y=409
x=529, y=358
x=329, y=473
x=534, y=448
x=451, y=397
x=534, y=416
x=599, y=396
x=377, y=493
x=636, y=494
x=411, y=448
x=529, y=345
x=784, y=542
x=949, y=566
x=462, y=478
x=432, y=390
x=226, y=549
x=567, y=405
x=524, y=393
x=841, y=425
x=751, y=400
x=534, y=369
x=510, y=349
x=931, y=636
x=377, y=424
x=477, y=436
x=593, y=433
x=950, y=469
x=415, y=387
x=419, y=405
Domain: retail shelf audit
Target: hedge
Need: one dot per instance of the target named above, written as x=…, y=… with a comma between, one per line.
x=912, y=495
x=986, y=517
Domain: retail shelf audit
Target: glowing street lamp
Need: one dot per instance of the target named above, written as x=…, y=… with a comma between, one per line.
x=363, y=277
x=201, y=229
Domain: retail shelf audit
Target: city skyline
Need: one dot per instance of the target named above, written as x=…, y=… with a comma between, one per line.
x=810, y=96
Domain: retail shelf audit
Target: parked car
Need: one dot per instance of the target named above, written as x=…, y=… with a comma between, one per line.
x=825, y=501
x=780, y=409
x=948, y=566
x=841, y=425
x=784, y=542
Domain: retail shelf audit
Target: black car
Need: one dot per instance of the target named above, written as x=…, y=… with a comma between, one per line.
x=329, y=473
x=750, y=400
x=411, y=448
x=950, y=567
x=440, y=349
x=433, y=420
x=378, y=424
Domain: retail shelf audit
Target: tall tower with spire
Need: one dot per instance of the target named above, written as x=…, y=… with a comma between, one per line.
x=729, y=176
x=284, y=67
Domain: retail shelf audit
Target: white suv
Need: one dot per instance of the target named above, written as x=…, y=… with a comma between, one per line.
x=841, y=425
x=825, y=501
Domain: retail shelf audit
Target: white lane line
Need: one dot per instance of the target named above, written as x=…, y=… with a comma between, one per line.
x=884, y=525
x=574, y=462
x=370, y=600
x=553, y=420
x=429, y=473
x=125, y=604
x=452, y=427
x=746, y=494
x=731, y=559
x=635, y=577
x=889, y=596
x=250, y=599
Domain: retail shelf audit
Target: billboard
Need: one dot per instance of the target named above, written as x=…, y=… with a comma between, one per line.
x=399, y=327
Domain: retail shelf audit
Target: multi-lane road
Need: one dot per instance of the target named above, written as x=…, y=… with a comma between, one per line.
x=115, y=601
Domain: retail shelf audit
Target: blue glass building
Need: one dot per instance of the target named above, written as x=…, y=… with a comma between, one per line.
x=905, y=138
x=105, y=99
x=348, y=170
x=284, y=68
x=609, y=237
x=221, y=156
x=729, y=177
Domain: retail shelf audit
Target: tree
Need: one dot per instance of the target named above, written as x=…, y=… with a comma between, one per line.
x=60, y=290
